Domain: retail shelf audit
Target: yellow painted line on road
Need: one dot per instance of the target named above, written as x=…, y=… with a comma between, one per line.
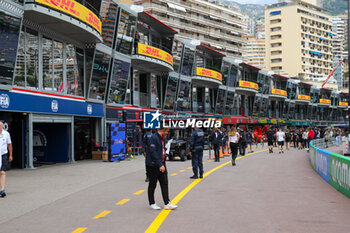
x=203, y=162
x=189, y=168
x=122, y=202
x=102, y=214
x=174, y=174
x=139, y=192
x=80, y=230
x=182, y=170
x=158, y=221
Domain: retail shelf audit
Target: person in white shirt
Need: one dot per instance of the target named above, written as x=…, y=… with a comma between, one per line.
x=233, y=138
x=6, y=156
x=280, y=140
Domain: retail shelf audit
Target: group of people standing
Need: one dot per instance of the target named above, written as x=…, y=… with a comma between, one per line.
x=236, y=141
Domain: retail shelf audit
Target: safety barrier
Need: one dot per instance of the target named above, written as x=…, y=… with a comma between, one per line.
x=333, y=168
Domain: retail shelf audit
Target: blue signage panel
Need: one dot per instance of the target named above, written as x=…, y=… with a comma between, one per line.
x=322, y=164
x=10, y=101
x=117, y=141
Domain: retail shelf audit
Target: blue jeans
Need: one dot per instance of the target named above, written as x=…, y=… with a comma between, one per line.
x=197, y=161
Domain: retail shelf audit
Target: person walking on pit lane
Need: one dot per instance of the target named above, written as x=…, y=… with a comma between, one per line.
x=157, y=171
x=146, y=147
x=197, y=146
x=281, y=136
x=242, y=142
x=5, y=157
x=233, y=138
x=270, y=135
x=216, y=140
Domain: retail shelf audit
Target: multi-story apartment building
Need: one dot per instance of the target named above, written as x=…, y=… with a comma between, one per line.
x=214, y=24
x=260, y=28
x=339, y=48
x=255, y=51
x=298, y=40
x=339, y=43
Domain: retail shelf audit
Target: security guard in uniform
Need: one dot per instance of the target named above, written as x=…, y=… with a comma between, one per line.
x=197, y=146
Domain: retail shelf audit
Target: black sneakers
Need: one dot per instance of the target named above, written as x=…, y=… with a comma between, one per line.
x=194, y=177
x=2, y=193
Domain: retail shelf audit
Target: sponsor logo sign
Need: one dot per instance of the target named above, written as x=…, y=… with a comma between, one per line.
x=340, y=174
x=345, y=104
x=325, y=101
x=304, y=97
x=76, y=10
x=208, y=73
x=154, y=52
x=4, y=101
x=278, y=92
x=151, y=120
x=89, y=109
x=322, y=164
x=54, y=105
x=248, y=84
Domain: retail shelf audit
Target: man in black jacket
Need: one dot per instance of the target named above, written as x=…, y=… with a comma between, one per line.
x=156, y=169
x=216, y=141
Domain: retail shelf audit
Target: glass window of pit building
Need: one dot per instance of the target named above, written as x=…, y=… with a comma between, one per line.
x=9, y=34
x=126, y=31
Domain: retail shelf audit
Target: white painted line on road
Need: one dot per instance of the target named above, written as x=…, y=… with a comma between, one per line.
x=139, y=192
x=80, y=230
x=102, y=214
x=122, y=202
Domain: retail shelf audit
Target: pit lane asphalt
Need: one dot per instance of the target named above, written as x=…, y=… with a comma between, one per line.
x=263, y=193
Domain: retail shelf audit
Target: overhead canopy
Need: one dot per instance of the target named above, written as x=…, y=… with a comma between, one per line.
x=158, y=25
x=211, y=51
x=250, y=66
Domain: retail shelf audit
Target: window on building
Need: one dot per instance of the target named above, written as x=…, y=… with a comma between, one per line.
x=126, y=31
x=20, y=73
x=184, y=96
x=10, y=28
x=99, y=75
x=108, y=17
x=58, y=66
x=170, y=95
x=75, y=70
x=188, y=61
x=47, y=49
x=119, y=82
x=32, y=58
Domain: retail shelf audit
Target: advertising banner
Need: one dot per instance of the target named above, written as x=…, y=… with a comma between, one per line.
x=345, y=104
x=322, y=164
x=117, y=135
x=325, y=101
x=248, y=84
x=208, y=73
x=278, y=92
x=76, y=10
x=154, y=52
x=304, y=97
x=340, y=174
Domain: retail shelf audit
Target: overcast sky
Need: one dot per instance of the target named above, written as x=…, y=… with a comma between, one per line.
x=262, y=2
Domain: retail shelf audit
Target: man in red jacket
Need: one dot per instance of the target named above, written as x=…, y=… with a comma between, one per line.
x=310, y=137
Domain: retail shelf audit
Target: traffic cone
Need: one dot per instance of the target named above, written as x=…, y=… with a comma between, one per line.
x=226, y=151
x=221, y=154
